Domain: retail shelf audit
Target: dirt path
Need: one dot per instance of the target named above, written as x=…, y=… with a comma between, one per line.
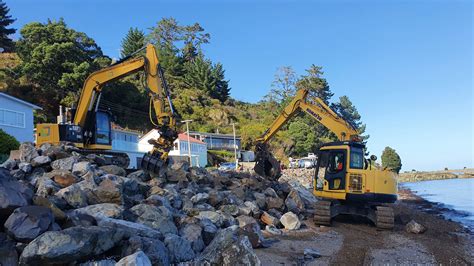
x=353, y=241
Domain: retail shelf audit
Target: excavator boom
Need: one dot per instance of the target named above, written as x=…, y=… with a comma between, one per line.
x=265, y=164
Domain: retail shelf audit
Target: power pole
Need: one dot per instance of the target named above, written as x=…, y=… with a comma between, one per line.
x=235, y=148
x=189, y=140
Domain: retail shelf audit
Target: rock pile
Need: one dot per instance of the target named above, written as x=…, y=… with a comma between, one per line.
x=60, y=207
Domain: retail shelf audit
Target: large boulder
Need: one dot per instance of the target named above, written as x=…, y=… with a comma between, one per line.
x=73, y=195
x=153, y=248
x=130, y=228
x=81, y=168
x=139, y=175
x=180, y=249
x=229, y=248
x=276, y=203
x=254, y=234
x=113, y=170
x=106, y=262
x=136, y=259
x=28, y=222
x=159, y=218
x=70, y=245
x=415, y=227
x=45, y=186
x=108, y=191
x=215, y=217
x=27, y=152
x=290, y=221
x=8, y=253
x=268, y=219
x=63, y=178
x=65, y=164
x=13, y=194
x=51, y=204
x=40, y=160
x=193, y=233
x=209, y=230
x=98, y=211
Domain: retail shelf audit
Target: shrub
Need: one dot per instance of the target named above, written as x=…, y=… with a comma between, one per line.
x=7, y=143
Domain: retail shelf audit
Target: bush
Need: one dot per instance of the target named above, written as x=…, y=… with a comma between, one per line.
x=7, y=143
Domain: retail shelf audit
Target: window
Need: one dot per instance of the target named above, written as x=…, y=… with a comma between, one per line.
x=336, y=162
x=12, y=118
x=357, y=158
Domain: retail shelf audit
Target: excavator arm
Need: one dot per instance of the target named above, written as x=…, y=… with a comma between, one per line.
x=266, y=165
x=158, y=91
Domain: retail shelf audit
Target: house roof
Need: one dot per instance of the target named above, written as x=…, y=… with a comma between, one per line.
x=116, y=127
x=184, y=137
x=20, y=101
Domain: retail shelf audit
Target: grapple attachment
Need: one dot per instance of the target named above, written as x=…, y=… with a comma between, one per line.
x=156, y=160
x=266, y=165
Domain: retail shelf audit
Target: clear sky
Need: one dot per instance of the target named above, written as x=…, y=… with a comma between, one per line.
x=406, y=65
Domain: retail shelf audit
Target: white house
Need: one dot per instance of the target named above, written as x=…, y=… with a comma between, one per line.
x=16, y=117
x=198, y=148
x=126, y=140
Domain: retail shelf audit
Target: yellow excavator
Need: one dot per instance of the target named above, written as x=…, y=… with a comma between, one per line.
x=344, y=179
x=90, y=128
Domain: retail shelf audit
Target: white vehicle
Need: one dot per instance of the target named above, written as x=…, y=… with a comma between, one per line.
x=306, y=163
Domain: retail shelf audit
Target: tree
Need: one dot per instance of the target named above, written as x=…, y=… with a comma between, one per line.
x=313, y=81
x=283, y=85
x=134, y=40
x=303, y=137
x=57, y=60
x=349, y=113
x=391, y=160
x=6, y=44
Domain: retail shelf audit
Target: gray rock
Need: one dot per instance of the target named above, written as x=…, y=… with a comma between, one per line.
x=153, y=248
x=270, y=192
x=108, y=191
x=63, y=178
x=99, y=263
x=159, y=218
x=18, y=174
x=13, y=194
x=310, y=253
x=81, y=168
x=139, y=175
x=130, y=228
x=25, y=167
x=245, y=220
x=230, y=209
x=179, y=248
x=415, y=227
x=290, y=221
x=45, y=186
x=109, y=210
x=65, y=163
x=27, y=152
x=136, y=259
x=69, y=245
x=276, y=203
x=73, y=195
x=254, y=234
x=193, y=233
x=229, y=248
x=28, y=222
x=158, y=200
x=9, y=164
x=306, y=196
x=200, y=198
x=8, y=253
x=40, y=160
x=209, y=230
x=260, y=199
x=114, y=170
x=213, y=216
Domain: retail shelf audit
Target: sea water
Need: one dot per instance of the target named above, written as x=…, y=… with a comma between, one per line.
x=455, y=194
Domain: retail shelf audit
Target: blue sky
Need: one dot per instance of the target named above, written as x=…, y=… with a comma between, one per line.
x=406, y=65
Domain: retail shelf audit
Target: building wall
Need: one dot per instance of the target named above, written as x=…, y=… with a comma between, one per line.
x=16, y=119
x=198, y=152
x=127, y=142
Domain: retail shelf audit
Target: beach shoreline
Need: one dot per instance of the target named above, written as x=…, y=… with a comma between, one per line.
x=354, y=241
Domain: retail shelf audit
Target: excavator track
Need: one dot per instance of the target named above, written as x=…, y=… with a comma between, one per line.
x=384, y=217
x=322, y=214
x=111, y=157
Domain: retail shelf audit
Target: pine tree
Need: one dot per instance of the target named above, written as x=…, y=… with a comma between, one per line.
x=349, y=113
x=391, y=160
x=6, y=44
x=134, y=40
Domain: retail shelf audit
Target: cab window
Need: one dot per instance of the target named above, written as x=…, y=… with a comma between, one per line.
x=336, y=162
x=103, y=128
x=357, y=158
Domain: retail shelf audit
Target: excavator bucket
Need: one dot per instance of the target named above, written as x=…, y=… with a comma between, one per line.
x=152, y=164
x=266, y=165
x=156, y=161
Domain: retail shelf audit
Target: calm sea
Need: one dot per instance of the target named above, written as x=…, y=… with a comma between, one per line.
x=456, y=194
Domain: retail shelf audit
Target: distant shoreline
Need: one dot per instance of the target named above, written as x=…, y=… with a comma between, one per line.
x=436, y=175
